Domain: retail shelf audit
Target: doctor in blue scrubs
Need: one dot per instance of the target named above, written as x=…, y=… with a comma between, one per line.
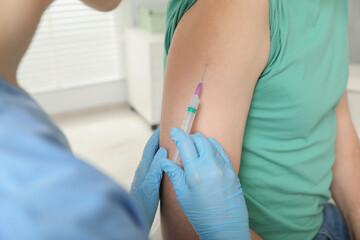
x=48, y=193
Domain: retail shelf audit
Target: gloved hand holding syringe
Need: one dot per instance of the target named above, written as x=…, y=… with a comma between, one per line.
x=207, y=173
x=190, y=115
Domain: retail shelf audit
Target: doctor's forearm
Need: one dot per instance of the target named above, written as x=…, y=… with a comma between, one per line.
x=18, y=22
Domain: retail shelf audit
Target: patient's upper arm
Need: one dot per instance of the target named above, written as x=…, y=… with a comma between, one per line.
x=232, y=39
x=234, y=44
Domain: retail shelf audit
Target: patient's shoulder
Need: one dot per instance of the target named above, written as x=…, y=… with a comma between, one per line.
x=225, y=33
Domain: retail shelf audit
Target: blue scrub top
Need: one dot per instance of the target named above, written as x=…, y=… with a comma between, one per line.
x=48, y=193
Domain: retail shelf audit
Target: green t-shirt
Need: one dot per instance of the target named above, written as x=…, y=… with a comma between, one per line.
x=289, y=141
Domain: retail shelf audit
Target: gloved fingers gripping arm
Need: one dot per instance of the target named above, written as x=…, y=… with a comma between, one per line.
x=151, y=147
x=194, y=149
x=218, y=148
x=185, y=145
x=176, y=175
x=208, y=190
x=148, y=175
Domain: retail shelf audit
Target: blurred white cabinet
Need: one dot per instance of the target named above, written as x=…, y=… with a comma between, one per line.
x=144, y=53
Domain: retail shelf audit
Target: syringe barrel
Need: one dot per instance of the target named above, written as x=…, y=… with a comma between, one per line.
x=188, y=122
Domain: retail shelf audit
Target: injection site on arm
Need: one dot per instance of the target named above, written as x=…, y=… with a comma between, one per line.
x=190, y=115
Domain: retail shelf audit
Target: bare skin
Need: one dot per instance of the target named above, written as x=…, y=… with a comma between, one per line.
x=345, y=187
x=19, y=20
x=218, y=34
x=18, y=23
x=232, y=39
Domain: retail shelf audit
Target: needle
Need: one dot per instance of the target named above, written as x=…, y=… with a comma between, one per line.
x=204, y=73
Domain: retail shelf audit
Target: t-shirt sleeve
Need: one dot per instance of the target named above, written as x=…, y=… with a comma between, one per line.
x=175, y=11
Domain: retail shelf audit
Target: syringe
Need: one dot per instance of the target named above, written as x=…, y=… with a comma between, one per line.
x=189, y=116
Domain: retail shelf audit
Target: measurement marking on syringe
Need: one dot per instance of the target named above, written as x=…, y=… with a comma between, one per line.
x=190, y=109
x=189, y=117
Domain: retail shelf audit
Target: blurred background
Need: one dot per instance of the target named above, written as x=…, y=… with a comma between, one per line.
x=100, y=77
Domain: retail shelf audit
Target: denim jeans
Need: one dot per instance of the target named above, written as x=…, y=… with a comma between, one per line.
x=334, y=225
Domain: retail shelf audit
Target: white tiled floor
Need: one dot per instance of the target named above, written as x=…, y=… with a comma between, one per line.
x=110, y=138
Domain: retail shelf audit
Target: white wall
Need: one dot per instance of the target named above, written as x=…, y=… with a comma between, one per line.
x=126, y=15
x=136, y=3
x=75, y=51
x=354, y=30
x=93, y=94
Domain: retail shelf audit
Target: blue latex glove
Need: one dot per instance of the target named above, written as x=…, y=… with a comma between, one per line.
x=146, y=183
x=208, y=189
